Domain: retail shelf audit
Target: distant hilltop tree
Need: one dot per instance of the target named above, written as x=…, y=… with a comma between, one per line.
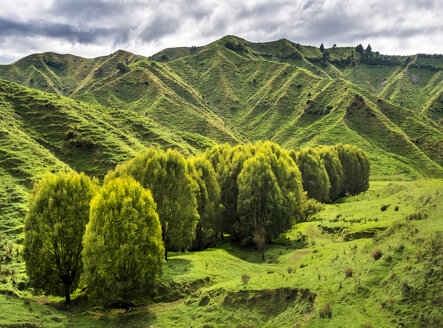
x=368, y=49
x=322, y=47
x=359, y=49
x=326, y=56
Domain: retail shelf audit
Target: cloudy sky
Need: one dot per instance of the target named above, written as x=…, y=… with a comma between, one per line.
x=93, y=28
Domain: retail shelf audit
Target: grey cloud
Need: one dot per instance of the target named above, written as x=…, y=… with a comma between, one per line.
x=158, y=27
x=54, y=30
x=87, y=9
x=147, y=25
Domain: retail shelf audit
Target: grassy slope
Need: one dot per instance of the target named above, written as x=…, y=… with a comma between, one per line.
x=191, y=99
x=275, y=90
x=292, y=106
x=43, y=132
x=206, y=289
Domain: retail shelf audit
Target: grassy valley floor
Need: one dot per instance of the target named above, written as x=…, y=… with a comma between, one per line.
x=372, y=260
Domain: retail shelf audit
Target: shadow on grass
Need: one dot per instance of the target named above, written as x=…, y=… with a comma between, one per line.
x=250, y=253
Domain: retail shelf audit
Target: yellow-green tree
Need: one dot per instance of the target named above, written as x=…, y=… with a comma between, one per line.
x=54, y=228
x=356, y=168
x=167, y=176
x=314, y=174
x=123, y=248
x=260, y=201
x=334, y=169
x=208, y=200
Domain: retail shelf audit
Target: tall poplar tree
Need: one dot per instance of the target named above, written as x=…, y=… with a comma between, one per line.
x=54, y=228
x=166, y=175
x=123, y=249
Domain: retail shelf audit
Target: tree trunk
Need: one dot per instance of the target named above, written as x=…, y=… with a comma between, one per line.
x=67, y=296
x=166, y=254
x=263, y=255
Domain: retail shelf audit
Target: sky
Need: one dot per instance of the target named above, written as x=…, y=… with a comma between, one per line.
x=92, y=28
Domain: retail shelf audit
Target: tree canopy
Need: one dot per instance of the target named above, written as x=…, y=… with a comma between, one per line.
x=334, y=169
x=208, y=200
x=314, y=175
x=54, y=228
x=260, y=199
x=231, y=163
x=167, y=176
x=123, y=248
x=356, y=168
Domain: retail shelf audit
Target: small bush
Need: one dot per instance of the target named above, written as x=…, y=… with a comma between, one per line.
x=311, y=206
x=245, y=278
x=325, y=311
x=416, y=216
x=376, y=254
x=289, y=270
x=348, y=272
x=272, y=260
x=384, y=207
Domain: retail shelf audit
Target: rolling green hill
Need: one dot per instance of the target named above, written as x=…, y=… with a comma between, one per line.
x=233, y=90
x=99, y=112
x=63, y=112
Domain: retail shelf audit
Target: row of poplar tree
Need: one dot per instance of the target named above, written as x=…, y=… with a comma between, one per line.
x=113, y=239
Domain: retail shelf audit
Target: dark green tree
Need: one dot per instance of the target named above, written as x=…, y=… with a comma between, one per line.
x=122, y=67
x=359, y=49
x=326, y=56
x=54, y=228
x=322, y=47
x=230, y=163
x=166, y=174
x=208, y=200
x=314, y=175
x=368, y=50
x=356, y=167
x=334, y=168
x=260, y=199
x=123, y=248
x=228, y=169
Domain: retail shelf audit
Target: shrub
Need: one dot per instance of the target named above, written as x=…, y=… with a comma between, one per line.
x=325, y=311
x=310, y=207
x=416, y=216
x=122, y=67
x=271, y=260
x=384, y=207
x=348, y=272
x=289, y=270
x=245, y=278
x=376, y=254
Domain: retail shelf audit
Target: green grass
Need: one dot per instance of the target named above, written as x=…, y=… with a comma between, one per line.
x=306, y=270
x=89, y=116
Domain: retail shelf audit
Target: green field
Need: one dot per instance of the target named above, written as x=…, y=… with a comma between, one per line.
x=62, y=113
x=305, y=269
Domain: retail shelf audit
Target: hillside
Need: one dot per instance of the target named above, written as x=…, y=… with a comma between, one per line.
x=63, y=112
x=233, y=90
x=328, y=260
